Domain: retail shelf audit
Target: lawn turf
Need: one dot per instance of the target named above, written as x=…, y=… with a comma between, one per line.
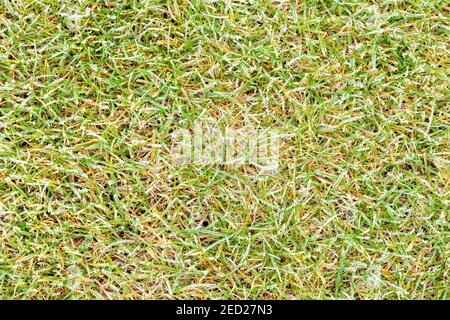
x=92, y=207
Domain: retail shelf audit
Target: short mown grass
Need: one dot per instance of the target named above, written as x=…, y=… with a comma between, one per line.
x=92, y=207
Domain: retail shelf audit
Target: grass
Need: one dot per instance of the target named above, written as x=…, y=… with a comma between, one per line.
x=91, y=207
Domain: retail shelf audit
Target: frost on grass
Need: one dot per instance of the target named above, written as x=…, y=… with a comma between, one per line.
x=91, y=205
